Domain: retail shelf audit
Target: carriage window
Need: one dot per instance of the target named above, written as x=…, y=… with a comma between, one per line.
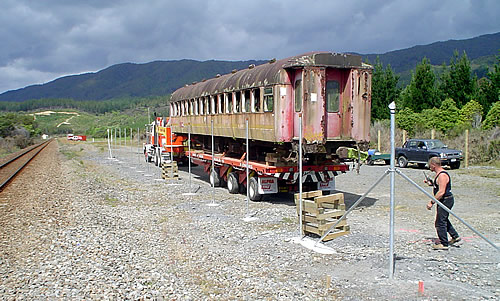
x=298, y=95
x=237, y=102
x=221, y=103
x=214, y=104
x=200, y=106
x=256, y=100
x=229, y=98
x=207, y=105
x=332, y=96
x=247, y=101
x=268, y=100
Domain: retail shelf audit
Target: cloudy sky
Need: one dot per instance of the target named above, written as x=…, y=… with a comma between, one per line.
x=45, y=39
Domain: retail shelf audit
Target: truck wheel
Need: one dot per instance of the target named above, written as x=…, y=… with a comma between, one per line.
x=215, y=178
x=233, y=183
x=402, y=161
x=155, y=160
x=253, y=190
x=455, y=165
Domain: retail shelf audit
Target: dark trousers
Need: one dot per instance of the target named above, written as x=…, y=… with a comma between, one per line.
x=443, y=225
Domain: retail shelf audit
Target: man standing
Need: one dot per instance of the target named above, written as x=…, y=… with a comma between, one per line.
x=442, y=193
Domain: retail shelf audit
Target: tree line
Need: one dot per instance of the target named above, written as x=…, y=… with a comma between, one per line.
x=90, y=106
x=453, y=99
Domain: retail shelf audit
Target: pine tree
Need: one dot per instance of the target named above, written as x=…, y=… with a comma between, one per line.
x=458, y=83
x=384, y=90
x=421, y=93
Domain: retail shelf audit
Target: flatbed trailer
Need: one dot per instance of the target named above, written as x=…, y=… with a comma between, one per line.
x=264, y=178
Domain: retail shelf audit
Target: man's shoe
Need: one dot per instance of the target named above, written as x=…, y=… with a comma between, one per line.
x=454, y=240
x=440, y=247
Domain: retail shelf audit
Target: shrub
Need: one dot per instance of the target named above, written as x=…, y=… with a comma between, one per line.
x=493, y=117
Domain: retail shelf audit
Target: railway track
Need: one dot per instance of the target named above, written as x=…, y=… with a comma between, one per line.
x=13, y=166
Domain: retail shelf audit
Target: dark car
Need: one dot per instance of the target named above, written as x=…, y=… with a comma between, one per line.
x=421, y=150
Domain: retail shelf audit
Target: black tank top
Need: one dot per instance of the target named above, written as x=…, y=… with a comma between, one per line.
x=447, y=191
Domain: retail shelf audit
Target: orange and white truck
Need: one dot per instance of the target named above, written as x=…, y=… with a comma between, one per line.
x=162, y=145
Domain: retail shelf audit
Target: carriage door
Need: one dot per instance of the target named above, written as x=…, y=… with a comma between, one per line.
x=297, y=97
x=333, y=103
x=308, y=100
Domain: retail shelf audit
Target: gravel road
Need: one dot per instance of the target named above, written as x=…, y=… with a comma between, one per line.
x=78, y=225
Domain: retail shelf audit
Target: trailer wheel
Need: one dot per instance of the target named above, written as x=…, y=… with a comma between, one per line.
x=253, y=190
x=215, y=178
x=232, y=183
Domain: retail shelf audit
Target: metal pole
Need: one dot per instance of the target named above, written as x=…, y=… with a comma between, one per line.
x=120, y=136
x=300, y=175
x=138, y=144
x=189, y=157
x=125, y=133
x=446, y=209
x=392, y=108
x=131, y=134
x=248, y=173
x=109, y=147
x=213, y=162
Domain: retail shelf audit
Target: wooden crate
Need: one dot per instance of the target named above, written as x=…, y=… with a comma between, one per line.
x=320, y=212
x=170, y=171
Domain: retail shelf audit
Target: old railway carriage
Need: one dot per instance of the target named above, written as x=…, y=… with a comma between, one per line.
x=331, y=91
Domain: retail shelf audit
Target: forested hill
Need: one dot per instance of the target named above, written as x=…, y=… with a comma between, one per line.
x=439, y=52
x=128, y=80
x=163, y=77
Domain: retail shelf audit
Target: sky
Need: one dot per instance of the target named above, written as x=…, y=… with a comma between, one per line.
x=45, y=39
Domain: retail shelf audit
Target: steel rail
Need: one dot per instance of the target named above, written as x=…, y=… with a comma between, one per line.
x=38, y=149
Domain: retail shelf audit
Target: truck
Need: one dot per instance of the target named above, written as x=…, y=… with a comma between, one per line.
x=419, y=151
x=161, y=144
x=272, y=176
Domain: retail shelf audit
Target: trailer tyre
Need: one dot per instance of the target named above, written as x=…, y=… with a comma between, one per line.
x=215, y=178
x=253, y=190
x=233, y=183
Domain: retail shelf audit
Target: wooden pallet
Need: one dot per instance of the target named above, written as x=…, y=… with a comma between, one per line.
x=320, y=212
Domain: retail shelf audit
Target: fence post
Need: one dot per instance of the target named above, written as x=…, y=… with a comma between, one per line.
x=404, y=137
x=378, y=141
x=433, y=133
x=466, y=148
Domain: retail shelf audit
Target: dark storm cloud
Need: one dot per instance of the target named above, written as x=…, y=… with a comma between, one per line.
x=42, y=40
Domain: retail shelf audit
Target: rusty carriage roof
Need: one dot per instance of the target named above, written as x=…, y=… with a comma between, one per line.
x=265, y=74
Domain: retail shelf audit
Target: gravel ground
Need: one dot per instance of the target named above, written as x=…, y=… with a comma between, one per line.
x=88, y=227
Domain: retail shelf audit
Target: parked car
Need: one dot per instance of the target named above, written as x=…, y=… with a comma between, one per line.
x=421, y=150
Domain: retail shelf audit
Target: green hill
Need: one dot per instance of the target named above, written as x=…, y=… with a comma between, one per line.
x=160, y=78
x=439, y=52
x=127, y=80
